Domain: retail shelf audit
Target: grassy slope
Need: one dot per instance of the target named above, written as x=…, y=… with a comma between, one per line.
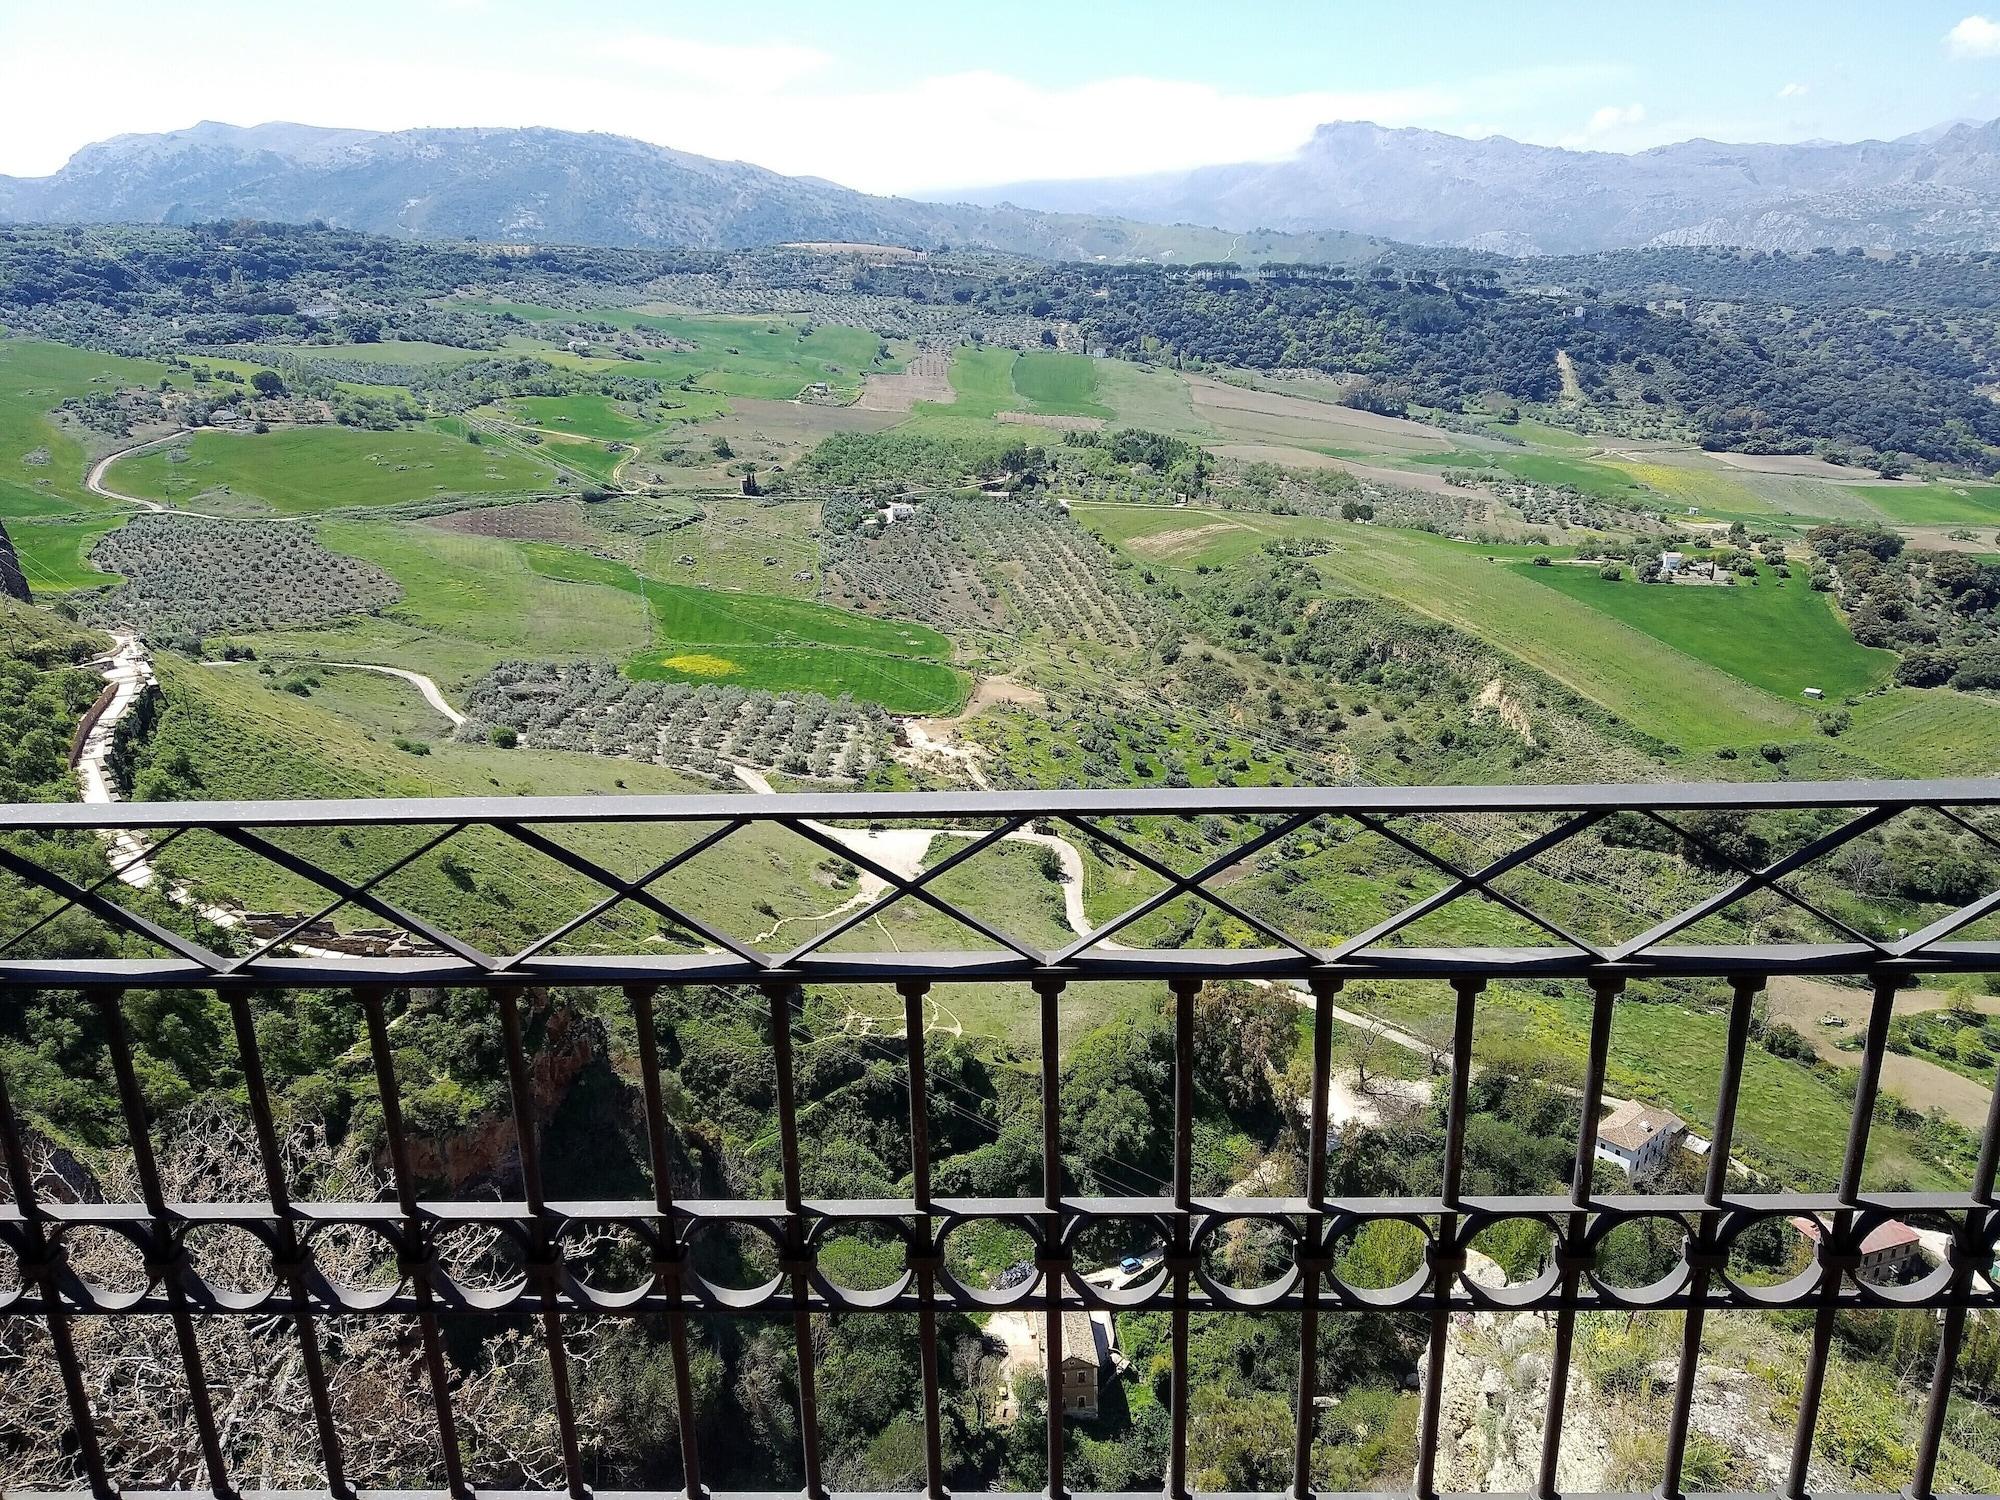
x=306, y=469
x=1660, y=689
x=35, y=378
x=766, y=641
x=55, y=551
x=244, y=738
x=1059, y=384
x=469, y=602
x=1776, y=634
x=580, y=416
x=1947, y=503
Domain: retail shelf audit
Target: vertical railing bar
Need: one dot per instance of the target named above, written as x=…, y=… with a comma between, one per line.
x=668, y=1264
x=1866, y=1088
x=1184, y=992
x=545, y=1274
x=913, y=993
x=415, y=1249
x=1313, y=1233
x=1604, y=994
x=1742, y=1000
x=20, y=1174
x=1048, y=993
x=293, y=1259
x=1798, y=1472
x=1965, y=1251
x=781, y=997
x=1309, y=1289
x=1323, y=991
x=169, y=1252
x=645, y=1024
x=1467, y=992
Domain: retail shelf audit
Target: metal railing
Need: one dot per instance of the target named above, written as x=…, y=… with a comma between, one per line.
x=1314, y=1226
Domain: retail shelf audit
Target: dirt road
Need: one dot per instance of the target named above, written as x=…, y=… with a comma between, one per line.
x=1804, y=1004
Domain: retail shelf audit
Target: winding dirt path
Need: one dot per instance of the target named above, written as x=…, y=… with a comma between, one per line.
x=94, y=480
x=433, y=694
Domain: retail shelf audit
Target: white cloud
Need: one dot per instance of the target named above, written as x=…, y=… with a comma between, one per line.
x=1975, y=36
x=1606, y=127
x=1793, y=91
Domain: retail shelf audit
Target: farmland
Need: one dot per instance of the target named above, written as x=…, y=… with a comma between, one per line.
x=1775, y=633
x=1658, y=686
x=306, y=470
x=42, y=459
x=1935, y=504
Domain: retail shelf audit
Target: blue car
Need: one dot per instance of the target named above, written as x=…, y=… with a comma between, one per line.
x=1131, y=1265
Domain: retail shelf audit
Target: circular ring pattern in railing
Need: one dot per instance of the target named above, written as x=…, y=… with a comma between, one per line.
x=1510, y=1238
x=1017, y=1233
x=1763, y=1252
x=105, y=1266
x=706, y=1239
x=607, y=1263
x=1259, y=1294
x=1097, y=1238
x=829, y=1234
x=1380, y=1247
x=1638, y=1259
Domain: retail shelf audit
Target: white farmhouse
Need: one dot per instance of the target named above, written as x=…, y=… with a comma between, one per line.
x=1639, y=1137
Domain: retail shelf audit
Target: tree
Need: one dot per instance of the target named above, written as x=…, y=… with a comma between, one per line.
x=267, y=383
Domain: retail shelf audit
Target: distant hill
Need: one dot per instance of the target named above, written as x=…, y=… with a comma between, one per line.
x=1936, y=189
x=540, y=186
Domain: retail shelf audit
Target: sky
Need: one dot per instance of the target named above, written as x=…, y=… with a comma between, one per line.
x=908, y=97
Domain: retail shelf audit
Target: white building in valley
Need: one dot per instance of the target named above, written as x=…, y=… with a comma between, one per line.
x=1639, y=1137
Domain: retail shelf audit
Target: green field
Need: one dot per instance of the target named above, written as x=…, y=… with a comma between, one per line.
x=482, y=601
x=1777, y=634
x=1703, y=488
x=761, y=546
x=767, y=641
x=382, y=352
x=1929, y=732
x=1583, y=475
x=773, y=357
x=42, y=463
x=303, y=470
x=55, y=552
x=989, y=381
x=585, y=416
x=1662, y=690
x=1946, y=503
x=1059, y=384
x=897, y=683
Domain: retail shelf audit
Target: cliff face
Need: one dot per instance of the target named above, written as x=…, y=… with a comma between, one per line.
x=1496, y=1385
x=13, y=582
x=562, y=1042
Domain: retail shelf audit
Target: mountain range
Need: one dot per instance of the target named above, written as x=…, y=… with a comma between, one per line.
x=1348, y=195
x=1936, y=189
x=539, y=186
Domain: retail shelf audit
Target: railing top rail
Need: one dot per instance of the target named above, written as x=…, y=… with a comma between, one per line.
x=784, y=806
